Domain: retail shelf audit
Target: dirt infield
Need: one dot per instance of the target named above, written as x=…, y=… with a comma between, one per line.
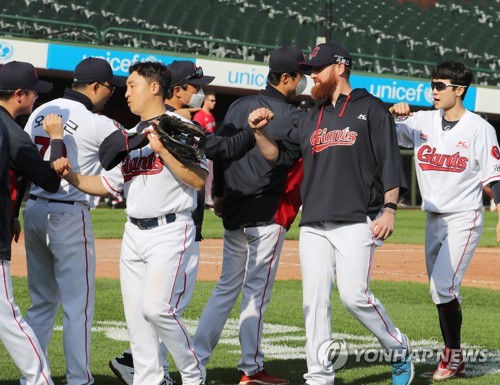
x=392, y=262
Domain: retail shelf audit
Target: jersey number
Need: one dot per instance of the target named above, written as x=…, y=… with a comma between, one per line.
x=45, y=143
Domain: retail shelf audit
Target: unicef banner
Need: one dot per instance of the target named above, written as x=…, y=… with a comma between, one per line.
x=235, y=75
x=65, y=58
x=34, y=53
x=413, y=92
x=254, y=77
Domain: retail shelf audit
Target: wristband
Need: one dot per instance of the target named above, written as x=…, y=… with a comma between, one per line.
x=391, y=205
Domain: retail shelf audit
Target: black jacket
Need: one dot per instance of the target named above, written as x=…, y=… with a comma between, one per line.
x=5, y=225
x=25, y=160
x=251, y=186
x=351, y=158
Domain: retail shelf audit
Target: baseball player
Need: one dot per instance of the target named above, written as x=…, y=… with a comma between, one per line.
x=352, y=178
x=159, y=237
x=19, y=88
x=255, y=223
x=456, y=154
x=186, y=81
x=59, y=240
x=188, y=78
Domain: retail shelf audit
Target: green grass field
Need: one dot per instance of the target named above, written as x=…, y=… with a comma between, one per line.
x=410, y=226
x=284, y=337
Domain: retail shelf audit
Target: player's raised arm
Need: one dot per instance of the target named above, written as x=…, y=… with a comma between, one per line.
x=258, y=120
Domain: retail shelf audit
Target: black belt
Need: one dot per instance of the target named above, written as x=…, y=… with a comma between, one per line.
x=34, y=198
x=151, y=223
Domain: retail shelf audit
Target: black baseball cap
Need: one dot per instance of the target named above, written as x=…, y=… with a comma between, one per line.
x=18, y=74
x=186, y=72
x=93, y=69
x=325, y=54
x=286, y=59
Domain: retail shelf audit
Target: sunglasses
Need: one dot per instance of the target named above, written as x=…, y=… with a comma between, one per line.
x=109, y=87
x=440, y=86
x=198, y=74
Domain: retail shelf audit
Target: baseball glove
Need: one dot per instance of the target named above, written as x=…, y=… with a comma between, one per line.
x=184, y=140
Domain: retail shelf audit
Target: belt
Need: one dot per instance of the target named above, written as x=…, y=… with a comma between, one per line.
x=151, y=223
x=34, y=198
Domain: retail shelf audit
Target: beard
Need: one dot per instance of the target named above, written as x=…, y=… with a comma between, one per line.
x=324, y=90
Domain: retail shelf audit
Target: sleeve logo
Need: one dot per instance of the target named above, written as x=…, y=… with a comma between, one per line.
x=495, y=152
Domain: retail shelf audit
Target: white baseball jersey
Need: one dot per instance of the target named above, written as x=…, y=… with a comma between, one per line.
x=83, y=127
x=454, y=165
x=150, y=188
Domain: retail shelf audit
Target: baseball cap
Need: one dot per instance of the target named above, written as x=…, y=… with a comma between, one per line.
x=93, y=69
x=18, y=74
x=325, y=54
x=286, y=59
x=186, y=72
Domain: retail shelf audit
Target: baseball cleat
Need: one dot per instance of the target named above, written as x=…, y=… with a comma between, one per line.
x=452, y=365
x=262, y=378
x=403, y=370
x=123, y=368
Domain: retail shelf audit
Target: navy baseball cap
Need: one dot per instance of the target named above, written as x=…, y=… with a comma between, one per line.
x=186, y=72
x=18, y=74
x=325, y=54
x=286, y=59
x=93, y=69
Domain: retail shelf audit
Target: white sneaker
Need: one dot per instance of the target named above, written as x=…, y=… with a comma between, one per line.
x=123, y=368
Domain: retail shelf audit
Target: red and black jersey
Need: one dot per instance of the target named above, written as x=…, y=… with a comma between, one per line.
x=25, y=161
x=5, y=218
x=351, y=158
x=255, y=192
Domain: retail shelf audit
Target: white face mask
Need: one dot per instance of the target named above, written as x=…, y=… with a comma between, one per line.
x=301, y=87
x=196, y=100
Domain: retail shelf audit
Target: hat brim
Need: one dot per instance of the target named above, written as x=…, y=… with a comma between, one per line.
x=118, y=81
x=310, y=64
x=201, y=81
x=42, y=87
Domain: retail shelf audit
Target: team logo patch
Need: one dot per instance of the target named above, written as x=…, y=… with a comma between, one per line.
x=430, y=160
x=323, y=139
x=463, y=144
x=495, y=152
x=315, y=52
x=362, y=117
x=424, y=137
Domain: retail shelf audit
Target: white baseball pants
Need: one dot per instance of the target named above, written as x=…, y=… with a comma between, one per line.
x=152, y=275
x=189, y=282
x=345, y=251
x=450, y=242
x=60, y=257
x=250, y=261
x=17, y=336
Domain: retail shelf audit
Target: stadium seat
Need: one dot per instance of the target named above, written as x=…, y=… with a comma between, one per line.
x=388, y=29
